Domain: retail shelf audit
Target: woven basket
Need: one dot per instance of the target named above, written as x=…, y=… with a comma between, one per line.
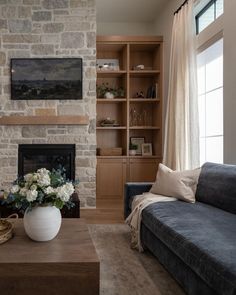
x=6, y=229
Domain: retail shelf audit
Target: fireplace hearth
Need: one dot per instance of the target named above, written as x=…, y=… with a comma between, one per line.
x=34, y=156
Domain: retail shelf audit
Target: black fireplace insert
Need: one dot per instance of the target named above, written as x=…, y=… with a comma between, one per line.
x=35, y=156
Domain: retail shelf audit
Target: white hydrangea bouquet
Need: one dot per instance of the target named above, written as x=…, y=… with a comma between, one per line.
x=41, y=188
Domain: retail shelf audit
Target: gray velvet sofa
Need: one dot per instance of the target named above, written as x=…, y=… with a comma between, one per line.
x=195, y=242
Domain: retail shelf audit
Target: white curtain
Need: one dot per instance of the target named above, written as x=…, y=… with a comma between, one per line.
x=181, y=145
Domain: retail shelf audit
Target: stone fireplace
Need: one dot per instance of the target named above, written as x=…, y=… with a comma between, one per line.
x=50, y=156
x=49, y=28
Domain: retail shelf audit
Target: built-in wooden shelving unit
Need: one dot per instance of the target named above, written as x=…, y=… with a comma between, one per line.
x=114, y=171
x=131, y=52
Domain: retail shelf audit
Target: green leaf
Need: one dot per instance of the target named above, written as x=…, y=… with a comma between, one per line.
x=58, y=203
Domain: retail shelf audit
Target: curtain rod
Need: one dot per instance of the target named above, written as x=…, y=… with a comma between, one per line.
x=180, y=7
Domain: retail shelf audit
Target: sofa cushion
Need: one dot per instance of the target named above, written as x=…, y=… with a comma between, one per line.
x=217, y=186
x=179, y=184
x=202, y=236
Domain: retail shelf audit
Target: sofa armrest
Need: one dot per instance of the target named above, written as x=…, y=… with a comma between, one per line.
x=132, y=189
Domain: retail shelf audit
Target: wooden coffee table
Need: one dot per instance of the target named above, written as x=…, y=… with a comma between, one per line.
x=66, y=265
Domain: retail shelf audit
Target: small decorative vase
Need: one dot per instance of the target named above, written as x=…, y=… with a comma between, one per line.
x=42, y=223
x=132, y=152
x=109, y=95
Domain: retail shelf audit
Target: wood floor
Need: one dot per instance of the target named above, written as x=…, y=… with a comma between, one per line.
x=102, y=215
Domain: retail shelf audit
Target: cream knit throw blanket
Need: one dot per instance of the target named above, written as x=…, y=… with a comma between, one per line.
x=139, y=203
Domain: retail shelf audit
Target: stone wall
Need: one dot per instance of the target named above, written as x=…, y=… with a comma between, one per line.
x=50, y=28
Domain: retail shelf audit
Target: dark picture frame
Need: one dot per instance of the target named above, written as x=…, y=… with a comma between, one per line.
x=46, y=78
x=138, y=141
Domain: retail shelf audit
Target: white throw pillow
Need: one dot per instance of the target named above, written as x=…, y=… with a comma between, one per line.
x=179, y=184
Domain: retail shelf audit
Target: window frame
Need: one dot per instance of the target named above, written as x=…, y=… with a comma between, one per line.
x=202, y=11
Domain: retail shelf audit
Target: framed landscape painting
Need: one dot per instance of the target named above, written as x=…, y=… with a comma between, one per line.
x=46, y=78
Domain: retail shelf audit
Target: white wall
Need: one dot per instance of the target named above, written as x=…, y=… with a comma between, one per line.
x=230, y=82
x=113, y=28
x=163, y=27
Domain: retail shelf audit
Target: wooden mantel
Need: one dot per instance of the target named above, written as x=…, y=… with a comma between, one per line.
x=44, y=120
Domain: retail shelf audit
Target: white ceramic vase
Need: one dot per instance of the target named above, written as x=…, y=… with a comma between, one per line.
x=42, y=223
x=132, y=152
x=109, y=95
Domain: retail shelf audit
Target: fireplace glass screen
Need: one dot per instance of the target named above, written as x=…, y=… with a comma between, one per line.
x=35, y=156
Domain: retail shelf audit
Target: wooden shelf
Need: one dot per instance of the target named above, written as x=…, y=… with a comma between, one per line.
x=44, y=120
x=112, y=157
x=129, y=157
x=144, y=128
x=144, y=157
x=111, y=128
x=110, y=74
x=114, y=100
x=124, y=39
x=110, y=48
x=143, y=100
x=143, y=73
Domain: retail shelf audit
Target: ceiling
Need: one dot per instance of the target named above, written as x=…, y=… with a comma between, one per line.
x=128, y=10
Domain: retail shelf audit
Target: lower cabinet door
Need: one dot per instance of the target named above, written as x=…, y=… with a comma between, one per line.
x=143, y=170
x=111, y=178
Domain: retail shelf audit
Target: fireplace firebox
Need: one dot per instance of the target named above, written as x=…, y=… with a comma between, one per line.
x=34, y=156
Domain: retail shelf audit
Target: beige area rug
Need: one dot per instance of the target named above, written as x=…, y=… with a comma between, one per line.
x=125, y=271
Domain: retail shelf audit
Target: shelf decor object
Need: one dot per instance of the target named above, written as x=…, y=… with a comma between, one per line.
x=138, y=141
x=146, y=149
x=108, y=65
x=110, y=151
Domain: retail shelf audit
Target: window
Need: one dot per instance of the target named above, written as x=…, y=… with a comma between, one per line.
x=209, y=14
x=210, y=98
